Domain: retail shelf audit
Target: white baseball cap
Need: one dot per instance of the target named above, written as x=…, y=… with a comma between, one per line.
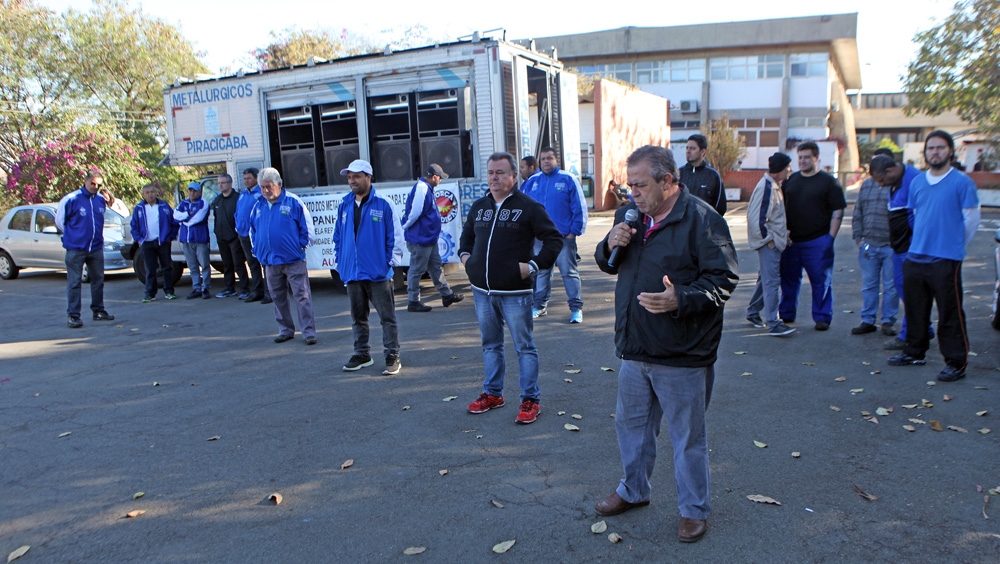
x=358, y=165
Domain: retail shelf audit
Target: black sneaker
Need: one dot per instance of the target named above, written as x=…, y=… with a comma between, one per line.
x=822, y=325
x=103, y=315
x=903, y=359
x=951, y=374
x=358, y=362
x=756, y=321
x=780, y=330
x=392, y=365
x=452, y=299
x=74, y=322
x=896, y=344
x=267, y=299
x=888, y=330
x=194, y=295
x=862, y=329
x=243, y=296
x=225, y=294
x=417, y=307
x=206, y=295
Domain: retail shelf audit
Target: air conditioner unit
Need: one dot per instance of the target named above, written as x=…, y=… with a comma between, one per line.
x=395, y=161
x=445, y=151
x=337, y=159
x=298, y=168
x=690, y=106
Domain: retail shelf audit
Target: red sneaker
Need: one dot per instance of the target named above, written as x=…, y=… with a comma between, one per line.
x=485, y=403
x=529, y=412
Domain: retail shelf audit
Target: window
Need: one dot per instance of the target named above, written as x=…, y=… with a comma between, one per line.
x=749, y=137
x=768, y=138
x=684, y=70
x=44, y=219
x=808, y=64
x=747, y=68
x=620, y=71
x=21, y=221
x=690, y=124
x=807, y=122
x=647, y=72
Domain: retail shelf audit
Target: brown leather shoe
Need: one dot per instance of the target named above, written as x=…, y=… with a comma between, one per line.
x=614, y=504
x=691, y=530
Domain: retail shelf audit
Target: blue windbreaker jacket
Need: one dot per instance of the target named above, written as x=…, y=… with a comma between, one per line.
x=378, y=245
x=80, y=216
x=421, y=219
x=193, y=219
x=562, y=197
x=280, y=232
x=168, y=227
x=244, y=205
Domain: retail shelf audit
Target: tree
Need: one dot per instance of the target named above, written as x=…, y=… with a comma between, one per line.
x=293, y=47
x=958, y=66
x=725, y=146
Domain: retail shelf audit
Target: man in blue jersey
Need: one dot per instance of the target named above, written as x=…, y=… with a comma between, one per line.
x=281, y=229
x=192, y=215
x=153, y=227
x=80, y=217
x=563, y=199
x=945, y=209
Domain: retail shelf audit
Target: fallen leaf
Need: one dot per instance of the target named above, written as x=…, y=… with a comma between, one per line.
x=134, y=329
x=759, y=444
x=606, y=369
x=835, y=408
x=569, y=364
x=560, y=413
x=910, y=428
x=119, y=325
x=137, y=495
x=936, y=425
x=882, y=411
x=571, y=427
x=740, y=352
x=165, y=325
x=909, y=405
x=917, y=421
x=615, y=538
x=453, y=357
x=948, y=398
x=36, y=395
x=214, y=438
x=926, y=403
x=496, y=504
x=18, y=553
x=599, y=527
x=957, y=428
x=984, y=431
x=415, y=550
x=874, y=372
x=809, y=363
x=980, y=388
x=479, y=436
x=442, y=472
x=747, y=374
x=503, y=547
x=856, y=391
x=576, y=416
x=763, y=499
x=568, y=380
x=872, y=419
x=347, y=464
x=993, y=491
x=573, y=371
x=848, y=311
x=449, y=398
x=866, y=363
x=276, y=498
x=865, y=413
x=973, y=354
x=865, y=494
x=156, y=384
x=66, y=434
x=796, y=454
x=931, y=383
x=136, y=513
x=840, y=379
x=986, y=503
x=889, y=409
x=981, y=413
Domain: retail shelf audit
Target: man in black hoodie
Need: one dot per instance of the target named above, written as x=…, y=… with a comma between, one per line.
x=496, y=249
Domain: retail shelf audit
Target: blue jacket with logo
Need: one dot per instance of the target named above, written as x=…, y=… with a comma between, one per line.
x=562, y=197
x=280, y=232
x=193, y=219
x=80, y=216
x=168, y=227
x=244, y=205
x=377, y=246
x=421, y=219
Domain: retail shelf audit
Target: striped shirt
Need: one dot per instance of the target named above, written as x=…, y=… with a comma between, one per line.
x=871, y=214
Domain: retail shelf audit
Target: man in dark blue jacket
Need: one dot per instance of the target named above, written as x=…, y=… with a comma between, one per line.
x=368, y=242
x=153, y=228
x=421, y=229
x=280, y=230
x=192, y=215
x=248, y=197
x=80, y=217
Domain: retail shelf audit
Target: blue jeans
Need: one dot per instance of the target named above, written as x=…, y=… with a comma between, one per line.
x=876, y=278
x=647, y=393
x=567, y=262
x=492, y=311
x=196, y=255
x=767, y=292
x=74, y=278
x=816, y=257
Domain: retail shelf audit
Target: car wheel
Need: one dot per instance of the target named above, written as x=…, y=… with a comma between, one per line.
x=8, y=270
x=139, y=267
x=177, y=270
x=85, y=275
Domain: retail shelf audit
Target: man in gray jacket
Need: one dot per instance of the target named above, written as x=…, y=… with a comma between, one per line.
x=767, y=233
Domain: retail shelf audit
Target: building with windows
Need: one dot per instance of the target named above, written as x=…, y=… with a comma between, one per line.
x=778, y=81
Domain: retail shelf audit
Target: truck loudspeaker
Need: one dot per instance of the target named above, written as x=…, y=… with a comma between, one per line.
x=445, y=151
x=298, y=168
x=337, y=159
x=395, y=161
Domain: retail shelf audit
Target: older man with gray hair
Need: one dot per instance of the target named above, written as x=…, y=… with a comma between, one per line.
x=280, y=230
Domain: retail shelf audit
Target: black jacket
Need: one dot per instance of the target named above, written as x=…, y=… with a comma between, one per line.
x=693, y=248
x=497, y=240
x=224, y=208
x=706, y=183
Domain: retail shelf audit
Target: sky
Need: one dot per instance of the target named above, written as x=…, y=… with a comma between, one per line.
x=226, y=31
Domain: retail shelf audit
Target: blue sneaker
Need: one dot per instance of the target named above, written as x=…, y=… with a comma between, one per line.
x=536, y=313
x=576, y=317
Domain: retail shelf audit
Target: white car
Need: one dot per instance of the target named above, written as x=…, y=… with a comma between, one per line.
x=29, y=238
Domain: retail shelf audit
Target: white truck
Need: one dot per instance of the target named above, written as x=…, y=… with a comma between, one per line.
x=451, y=104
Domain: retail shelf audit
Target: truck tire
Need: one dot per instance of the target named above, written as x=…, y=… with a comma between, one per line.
x=178, y=271
x=9, y=270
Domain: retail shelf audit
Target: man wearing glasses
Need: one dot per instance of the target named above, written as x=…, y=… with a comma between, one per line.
x=233, y=260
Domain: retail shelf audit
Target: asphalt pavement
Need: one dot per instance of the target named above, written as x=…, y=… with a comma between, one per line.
x=192, y=404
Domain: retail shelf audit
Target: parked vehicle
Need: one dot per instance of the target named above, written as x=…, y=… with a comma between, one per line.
x=29, y=238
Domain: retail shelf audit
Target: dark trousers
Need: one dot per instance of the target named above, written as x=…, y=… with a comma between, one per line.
x=941, y=283
x=158, y=263
x=378, y=294
x=258, y=276
x=233, y=265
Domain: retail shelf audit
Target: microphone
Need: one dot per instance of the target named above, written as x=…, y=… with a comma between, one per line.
x=632, y=219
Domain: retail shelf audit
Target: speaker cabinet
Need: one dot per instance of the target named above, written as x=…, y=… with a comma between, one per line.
x=395, y=161
x=337, y=159
x=299, y=168
x=445, y=151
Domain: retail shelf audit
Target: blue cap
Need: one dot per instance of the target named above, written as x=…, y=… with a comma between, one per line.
x=195, y=186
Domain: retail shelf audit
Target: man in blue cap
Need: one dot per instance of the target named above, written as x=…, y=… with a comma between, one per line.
x=192, y=214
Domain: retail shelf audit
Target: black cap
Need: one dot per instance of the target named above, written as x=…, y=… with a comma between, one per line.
x=778, y=162
x=436, y=169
